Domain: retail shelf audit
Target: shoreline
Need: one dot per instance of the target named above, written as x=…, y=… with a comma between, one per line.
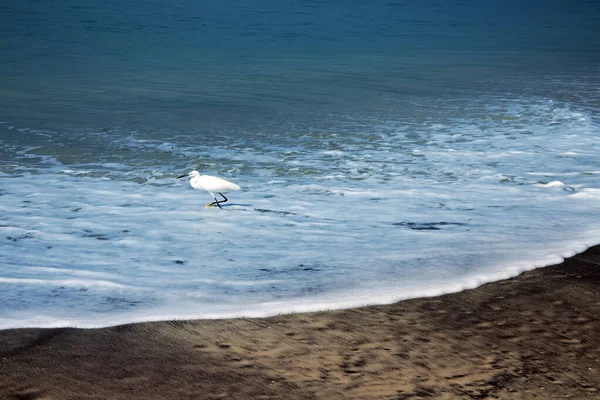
x=386, y=296
x=534, y=336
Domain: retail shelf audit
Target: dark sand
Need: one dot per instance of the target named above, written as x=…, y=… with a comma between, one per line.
x=536, y=336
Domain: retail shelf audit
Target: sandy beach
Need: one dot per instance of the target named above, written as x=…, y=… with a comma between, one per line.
x=536, y=336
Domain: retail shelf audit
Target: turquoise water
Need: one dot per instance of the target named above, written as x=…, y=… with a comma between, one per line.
x=385, y=150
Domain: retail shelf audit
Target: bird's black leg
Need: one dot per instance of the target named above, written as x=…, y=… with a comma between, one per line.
x=217, y=202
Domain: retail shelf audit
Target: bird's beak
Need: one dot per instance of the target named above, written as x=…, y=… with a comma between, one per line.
x=182, y=176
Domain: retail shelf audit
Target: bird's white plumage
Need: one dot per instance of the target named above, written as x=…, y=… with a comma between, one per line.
x=212, y=184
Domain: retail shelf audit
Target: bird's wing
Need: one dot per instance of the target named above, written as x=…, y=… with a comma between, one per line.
x=217, y=183
x=230, y=185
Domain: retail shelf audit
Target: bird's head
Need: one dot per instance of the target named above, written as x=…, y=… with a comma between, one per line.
x=192, y=174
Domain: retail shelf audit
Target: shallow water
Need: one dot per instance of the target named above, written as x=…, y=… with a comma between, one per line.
x=382, y=155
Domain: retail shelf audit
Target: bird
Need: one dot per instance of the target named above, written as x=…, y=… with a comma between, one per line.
x=212, y=184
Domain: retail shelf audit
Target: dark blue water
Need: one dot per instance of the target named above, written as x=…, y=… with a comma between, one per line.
x=181, y=64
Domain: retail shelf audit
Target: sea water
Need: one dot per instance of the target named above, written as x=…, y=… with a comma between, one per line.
x=386, y=150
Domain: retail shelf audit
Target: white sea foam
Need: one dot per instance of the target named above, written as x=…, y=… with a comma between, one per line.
x=390, y=213
x=553, y=184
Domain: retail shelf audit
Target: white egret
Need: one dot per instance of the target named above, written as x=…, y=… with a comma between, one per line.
x=212, y=184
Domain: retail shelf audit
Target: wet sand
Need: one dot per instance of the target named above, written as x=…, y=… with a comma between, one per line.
x=536, y=336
